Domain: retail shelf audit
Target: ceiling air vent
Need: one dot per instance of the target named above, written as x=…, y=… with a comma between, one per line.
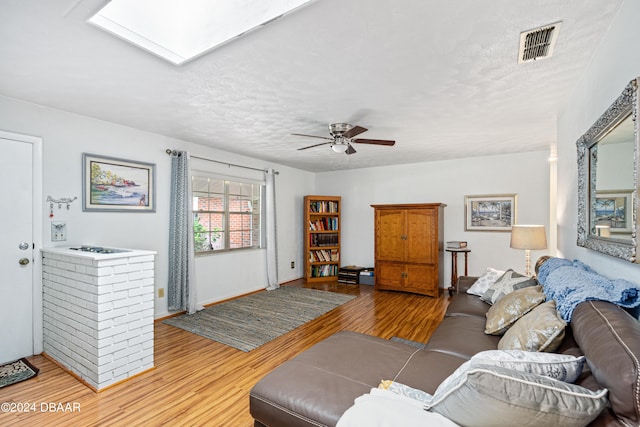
x=538, y=43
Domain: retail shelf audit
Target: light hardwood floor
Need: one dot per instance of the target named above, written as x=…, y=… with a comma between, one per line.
x=199, y=382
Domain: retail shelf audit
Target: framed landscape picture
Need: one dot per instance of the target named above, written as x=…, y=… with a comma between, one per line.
x=613, y=209
x=492, y=212
x=117, y=185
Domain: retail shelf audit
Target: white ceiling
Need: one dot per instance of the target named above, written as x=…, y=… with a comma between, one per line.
x=439, y=76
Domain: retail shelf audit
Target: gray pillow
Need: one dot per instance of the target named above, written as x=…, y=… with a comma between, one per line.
x=541, y=329
x=507, y=283
x=493, y=396
x=561, y=367
x=508, y=309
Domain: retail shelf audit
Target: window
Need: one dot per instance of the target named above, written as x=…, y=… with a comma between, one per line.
x=226, y=214
x=179, y=31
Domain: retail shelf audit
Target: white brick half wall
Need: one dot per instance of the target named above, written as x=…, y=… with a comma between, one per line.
x=98, y=313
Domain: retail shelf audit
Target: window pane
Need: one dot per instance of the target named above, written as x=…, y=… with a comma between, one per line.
x=209, y=204
x=200, y=233
x=234, y=188
x=235, y=222
x=247, y=222
x=216, y=186
x=241, y=239
x=200, y=184
x=217, y=240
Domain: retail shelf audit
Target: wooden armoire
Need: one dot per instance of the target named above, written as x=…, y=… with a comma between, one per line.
x=409, y=247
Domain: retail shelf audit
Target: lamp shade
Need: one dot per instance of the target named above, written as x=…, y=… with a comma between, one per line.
x=530, y=237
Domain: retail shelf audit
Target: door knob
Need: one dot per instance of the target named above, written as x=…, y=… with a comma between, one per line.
x=23, y=261
x=23, y=246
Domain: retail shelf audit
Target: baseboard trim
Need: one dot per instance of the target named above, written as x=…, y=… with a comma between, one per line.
x=95, y=390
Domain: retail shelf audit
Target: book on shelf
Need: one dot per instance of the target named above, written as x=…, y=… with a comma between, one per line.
x=324, y=255
x=323, y=206
x=323, y=224
x=328, y=239
x=324, y=270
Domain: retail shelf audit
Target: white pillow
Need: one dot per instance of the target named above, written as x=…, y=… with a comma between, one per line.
x=493, y=396
x=383, y=408
x=488, y=278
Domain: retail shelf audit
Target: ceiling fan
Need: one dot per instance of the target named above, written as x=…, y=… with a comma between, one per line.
x=342, y=135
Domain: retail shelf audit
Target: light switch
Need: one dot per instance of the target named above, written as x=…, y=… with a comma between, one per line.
x=58, y=231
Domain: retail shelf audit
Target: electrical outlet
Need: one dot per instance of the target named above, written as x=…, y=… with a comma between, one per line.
x=58, y=231
x=293, y=264
x=161, y=293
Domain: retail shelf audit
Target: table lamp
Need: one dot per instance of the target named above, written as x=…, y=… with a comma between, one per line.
x=528, y=237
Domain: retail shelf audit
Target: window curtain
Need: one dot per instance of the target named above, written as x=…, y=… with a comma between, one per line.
x=272, y=247
x=181, y=289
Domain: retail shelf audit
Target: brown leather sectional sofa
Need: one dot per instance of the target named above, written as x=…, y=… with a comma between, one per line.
x=316, y=387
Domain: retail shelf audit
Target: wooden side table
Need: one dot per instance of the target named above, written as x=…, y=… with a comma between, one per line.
x=454, y=267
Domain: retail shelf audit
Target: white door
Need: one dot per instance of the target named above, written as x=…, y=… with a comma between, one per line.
x=16, y=250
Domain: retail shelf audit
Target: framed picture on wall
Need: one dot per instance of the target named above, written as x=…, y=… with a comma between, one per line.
x=490, y=212
x=612, y=210
x=117, y=185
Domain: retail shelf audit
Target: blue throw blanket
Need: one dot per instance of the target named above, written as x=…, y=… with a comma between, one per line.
x=571, y=282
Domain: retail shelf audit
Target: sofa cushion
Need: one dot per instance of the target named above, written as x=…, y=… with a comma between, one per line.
x=542, y=329
x=319, y=384
x=512, y=307
x=427, y=369
x=467, y=305
x=462, y=336
x=488, y=278
x=507, y=283
x=610, y=339
x=495, y=396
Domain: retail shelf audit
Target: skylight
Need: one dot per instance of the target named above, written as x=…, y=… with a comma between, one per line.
x=181, y=30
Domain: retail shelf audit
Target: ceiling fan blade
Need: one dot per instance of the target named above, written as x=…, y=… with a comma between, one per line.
x=312, y=136
x=350, y=149
x=316, y=145
x=356, y=130
x=374, y=141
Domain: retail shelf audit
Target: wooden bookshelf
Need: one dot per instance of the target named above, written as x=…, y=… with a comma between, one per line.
x=322, y=239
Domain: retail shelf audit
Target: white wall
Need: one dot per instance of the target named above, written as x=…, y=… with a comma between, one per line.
x=526, y=174
x=66, y=136
x=614, y=65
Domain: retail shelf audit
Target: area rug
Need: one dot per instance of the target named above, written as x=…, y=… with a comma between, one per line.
x=14, y=372
x=408, y=342
x=248, y=322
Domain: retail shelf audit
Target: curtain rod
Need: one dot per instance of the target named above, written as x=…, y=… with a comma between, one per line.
x=175, y=152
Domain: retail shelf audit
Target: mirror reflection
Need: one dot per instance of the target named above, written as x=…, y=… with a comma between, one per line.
x=608, y=165
x=613, y=160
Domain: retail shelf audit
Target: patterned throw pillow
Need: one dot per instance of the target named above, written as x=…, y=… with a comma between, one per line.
x=512, y=307
x=562, y=367
x=495, y=396
x=509, y=282
x=542, y=329
x=488, y=278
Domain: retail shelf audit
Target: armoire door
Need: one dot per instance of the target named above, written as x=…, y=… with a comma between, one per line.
x=390, y=230
x=421, y=229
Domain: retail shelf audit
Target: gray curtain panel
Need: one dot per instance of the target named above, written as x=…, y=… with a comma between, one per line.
x=272, y=247
x=181, y=289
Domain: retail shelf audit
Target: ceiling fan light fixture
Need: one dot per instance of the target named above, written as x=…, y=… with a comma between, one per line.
x=339, y=148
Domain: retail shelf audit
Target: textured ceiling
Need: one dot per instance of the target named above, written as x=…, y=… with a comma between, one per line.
x=440, y=77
